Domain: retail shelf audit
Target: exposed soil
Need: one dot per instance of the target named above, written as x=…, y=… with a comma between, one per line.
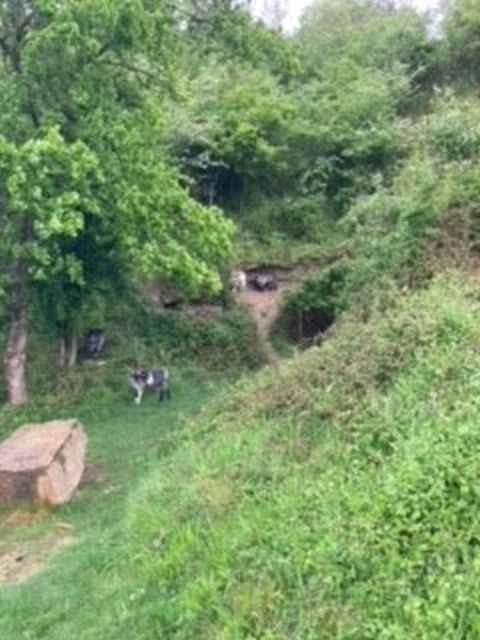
x=22, y=518
x=20, y=561
x=264, y=309
x=264, y=306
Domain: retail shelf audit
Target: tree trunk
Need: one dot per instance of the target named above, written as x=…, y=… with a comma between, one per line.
x=15, y=354
x=72, y=351
x=62, y=352
x=68, y=349
x=212, y=190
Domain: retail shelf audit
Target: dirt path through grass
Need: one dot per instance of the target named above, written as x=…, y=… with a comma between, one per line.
x=265, y=306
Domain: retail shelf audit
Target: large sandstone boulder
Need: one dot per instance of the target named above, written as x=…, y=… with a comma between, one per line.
x=42, y=463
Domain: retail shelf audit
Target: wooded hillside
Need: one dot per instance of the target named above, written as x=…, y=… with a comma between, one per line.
x=149, y=150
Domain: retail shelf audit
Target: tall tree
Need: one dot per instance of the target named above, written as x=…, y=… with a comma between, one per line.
x=229, y=133
x=462, y=28
x=368, y=32
x=81, y=157
x=226, y=30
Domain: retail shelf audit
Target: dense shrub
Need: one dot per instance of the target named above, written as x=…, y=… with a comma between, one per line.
x=452, y=130
x=461, y=27
x=312, y=308
x=302, y=218
x=339, y=497
x=394, y=229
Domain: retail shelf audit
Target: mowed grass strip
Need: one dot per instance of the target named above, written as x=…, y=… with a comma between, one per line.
x=125, y=442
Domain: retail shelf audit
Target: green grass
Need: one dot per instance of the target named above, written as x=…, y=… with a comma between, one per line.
x=125, y=442
x=333, y=497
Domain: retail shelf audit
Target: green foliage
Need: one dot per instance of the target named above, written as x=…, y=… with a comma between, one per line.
x=302, y=219
x=243, y=134
x=452, y=130
x=462, y=29
x=317, y=298
x=395, y=232
x=136, y=336
x=224, y=30
x=88, y=196
x=334, y=496
x=224, y=343
x=281, y=249
x=77, y=58
x=49, y=185
x=229, y=131
x=366, y=32
x=345, y=133
x=350, y=493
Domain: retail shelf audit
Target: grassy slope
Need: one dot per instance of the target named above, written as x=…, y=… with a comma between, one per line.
x=334, y=497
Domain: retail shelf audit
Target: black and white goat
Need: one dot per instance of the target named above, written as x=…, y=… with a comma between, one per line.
x=157, y=379
x=267, y=281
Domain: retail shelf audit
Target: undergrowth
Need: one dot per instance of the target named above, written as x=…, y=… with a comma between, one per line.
x=333, y=496
x=138, y=337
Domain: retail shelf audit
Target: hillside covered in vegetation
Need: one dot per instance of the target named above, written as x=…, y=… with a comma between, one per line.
x=333, y=494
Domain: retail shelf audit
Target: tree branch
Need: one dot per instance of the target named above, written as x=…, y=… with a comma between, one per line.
x=128, y=66
x=4, y=48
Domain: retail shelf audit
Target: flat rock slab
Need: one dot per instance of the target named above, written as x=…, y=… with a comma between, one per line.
x=42, y=463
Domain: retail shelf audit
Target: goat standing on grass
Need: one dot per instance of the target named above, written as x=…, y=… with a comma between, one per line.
x=157, y=379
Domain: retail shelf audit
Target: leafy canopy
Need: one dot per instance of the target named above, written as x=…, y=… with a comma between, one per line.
x=82, y=87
